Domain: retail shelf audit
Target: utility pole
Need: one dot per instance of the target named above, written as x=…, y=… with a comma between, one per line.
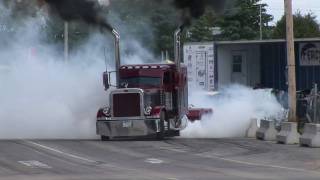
x=291, y=62
x=66, y=41
x=260, y=7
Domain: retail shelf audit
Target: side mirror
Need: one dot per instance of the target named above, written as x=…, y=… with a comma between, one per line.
x=105, y=77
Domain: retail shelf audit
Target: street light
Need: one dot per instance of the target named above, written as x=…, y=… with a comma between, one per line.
x=66, y=41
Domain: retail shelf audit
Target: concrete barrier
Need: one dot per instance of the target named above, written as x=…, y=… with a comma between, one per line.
x=288, y=134
x=252, y=130
x=267, y=131
x=311, y=135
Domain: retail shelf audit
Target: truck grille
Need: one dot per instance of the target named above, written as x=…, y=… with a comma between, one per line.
x=126, y=105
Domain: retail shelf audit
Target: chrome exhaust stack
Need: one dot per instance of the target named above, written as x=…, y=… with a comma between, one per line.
x=117, y=54
x=177, y=47
x=177, y=61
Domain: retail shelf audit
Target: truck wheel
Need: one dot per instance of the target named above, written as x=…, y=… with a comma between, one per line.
x=105, y=138
x=160, y=135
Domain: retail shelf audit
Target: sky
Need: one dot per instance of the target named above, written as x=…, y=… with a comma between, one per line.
x=276, y=7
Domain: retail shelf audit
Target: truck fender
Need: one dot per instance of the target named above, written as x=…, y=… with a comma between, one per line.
x=157, y=110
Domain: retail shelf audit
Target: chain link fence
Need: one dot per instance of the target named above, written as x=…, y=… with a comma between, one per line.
x=313, y=106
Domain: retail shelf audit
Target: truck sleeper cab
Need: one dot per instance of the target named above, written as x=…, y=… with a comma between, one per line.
x=146, y=103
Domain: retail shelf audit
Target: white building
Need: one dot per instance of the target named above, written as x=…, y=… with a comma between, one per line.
x=252, y=63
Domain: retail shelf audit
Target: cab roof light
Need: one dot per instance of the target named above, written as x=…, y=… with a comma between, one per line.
x=164, y=66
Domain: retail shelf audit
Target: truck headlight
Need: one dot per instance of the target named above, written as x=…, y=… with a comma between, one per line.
x=147, y=110
x=106, y=111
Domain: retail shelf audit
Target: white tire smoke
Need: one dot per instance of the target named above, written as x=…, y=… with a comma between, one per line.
x=43, y=97
x=232, y=110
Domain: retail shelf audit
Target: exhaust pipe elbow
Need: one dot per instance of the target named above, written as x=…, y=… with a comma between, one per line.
x=116, y=34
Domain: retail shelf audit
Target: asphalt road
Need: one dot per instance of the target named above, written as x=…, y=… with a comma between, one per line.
x=170, y=159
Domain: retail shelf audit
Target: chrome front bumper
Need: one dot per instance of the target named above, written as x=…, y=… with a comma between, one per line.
x=128, y=128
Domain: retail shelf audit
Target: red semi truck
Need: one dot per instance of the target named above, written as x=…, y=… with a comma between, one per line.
x=149, y=99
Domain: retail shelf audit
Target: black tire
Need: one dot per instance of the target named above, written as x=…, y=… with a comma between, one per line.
x=105, y=138
x=161, y=134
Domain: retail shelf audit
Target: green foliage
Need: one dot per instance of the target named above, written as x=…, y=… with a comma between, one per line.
x=201, y=30
x=305, y=26
x=150, y=22
x=243, y=21
x=54, y=32
x=21, y=8
x=163, y=26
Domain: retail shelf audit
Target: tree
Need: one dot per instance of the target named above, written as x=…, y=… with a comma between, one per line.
x=53, y=32
x=163, y=25
x=243, y=21
x=201, y=30
x=19, y=12
x=21, y=8
x=12, y=15
x=305, y=26
x=150, y=22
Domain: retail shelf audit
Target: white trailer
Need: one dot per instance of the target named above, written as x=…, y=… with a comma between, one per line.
x=200, y=60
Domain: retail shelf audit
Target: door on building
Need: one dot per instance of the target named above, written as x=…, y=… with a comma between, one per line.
x=239, y=67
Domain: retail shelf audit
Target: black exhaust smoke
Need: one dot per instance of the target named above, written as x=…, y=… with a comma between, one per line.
x=88, y=11
x=193, y=9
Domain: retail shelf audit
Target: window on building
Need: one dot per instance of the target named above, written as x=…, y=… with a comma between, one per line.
x=237, y=64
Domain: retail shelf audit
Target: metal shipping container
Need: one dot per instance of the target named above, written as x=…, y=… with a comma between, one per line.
x=274, y=62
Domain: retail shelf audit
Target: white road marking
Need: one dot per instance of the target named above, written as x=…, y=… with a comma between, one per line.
x=35, y=164
x=174, y=149
x=153, y=161
x=215, y=156
x=75, y=156
x=61, y=152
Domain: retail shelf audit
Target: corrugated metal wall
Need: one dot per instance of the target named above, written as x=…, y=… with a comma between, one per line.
x=273, y=65
x=273, y=68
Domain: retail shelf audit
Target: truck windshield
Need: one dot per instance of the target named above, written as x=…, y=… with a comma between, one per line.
x=140, y=81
